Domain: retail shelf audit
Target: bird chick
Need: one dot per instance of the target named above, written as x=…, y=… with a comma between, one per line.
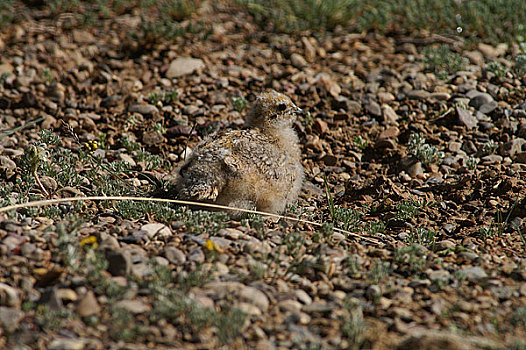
x=255, y=168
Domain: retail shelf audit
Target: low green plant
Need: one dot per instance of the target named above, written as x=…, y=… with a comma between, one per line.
x=442, y=61
x=471, y=163
x=422, y=236
x=360, y=142
x=518, y=346
x=300, y=15
x=448, y=17
x=52, y=320
x=170, y=302
x=379, y=271
x=123, y=325
x=519, y=317
x=3, y=77
x=489, y=147
x=46, y=76
x=408, y=209
x=410, y=258
x=354, y=326
x=347, y=219
x=139, y=154
x=496, y=68
x=520, y=65
x=256, y=222
x=374, y=227
x=7, y=13
x=425, y=153
x=166, y=97
x=486, y=232
x=239, y=103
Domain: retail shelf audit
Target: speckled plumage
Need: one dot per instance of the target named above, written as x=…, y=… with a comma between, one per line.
x=255, y=168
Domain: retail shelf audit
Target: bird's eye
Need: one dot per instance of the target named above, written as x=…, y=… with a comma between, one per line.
x=282, y=107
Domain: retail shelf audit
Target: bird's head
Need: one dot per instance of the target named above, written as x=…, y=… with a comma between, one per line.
x=273, y=110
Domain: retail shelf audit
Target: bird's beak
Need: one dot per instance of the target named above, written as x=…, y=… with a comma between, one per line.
x=299, y=111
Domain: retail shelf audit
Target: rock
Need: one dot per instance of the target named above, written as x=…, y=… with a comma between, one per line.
x=325, y=81
x=320, y=126
x=141, y=269
x=373, y=108
x=133, y=306
x=442, y=340
x=306, y=299
x=49, y=183
x=111, y=101
x=418, y=94
x=466, y=118
x=119, y=262
x=474, y=274
x=385, y=97
x=454, y=146
x=255, y=297
x=389, y=115
x=310, y=50
x=67, y=294
x=503, y=293
x=81, y=36
x=10, y=318
x=490, y=51
x=475, y=57
x=174, y=255
x=67, y=344
x=389, y=133
x=468, y=256
x=6, y=68
x=412, y=166
x=156, y=230
x=196, y=255
x=183, y=66
x=480, y=99
x=128, y=159
x=7, y=166
x=354, y=107
x=449, y=228
x=88, y=306
x=441, y=276
x=440, y=96
x=51, y=299
x=513, y=147
x=520, y=157
x=488, y=107
x=298, y=61
x=143, y=109
x=9, y=296
x=491, y=159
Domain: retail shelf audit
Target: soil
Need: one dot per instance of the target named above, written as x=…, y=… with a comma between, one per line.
x=446, y=264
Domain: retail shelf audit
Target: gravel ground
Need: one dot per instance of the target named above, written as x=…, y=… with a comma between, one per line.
x=421, y=167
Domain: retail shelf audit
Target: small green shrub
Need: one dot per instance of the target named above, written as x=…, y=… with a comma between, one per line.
x=442, y=61
x=410, y=258
x=239, y=103
x=408, y=209
x=427, y=154
x=302, y=14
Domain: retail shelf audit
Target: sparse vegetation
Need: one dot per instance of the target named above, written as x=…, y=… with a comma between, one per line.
x=410, y=257
x=442, y=61
x=163, y=275
x=425, y=153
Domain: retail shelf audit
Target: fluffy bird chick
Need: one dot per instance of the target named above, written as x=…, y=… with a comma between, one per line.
x=256, y=168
